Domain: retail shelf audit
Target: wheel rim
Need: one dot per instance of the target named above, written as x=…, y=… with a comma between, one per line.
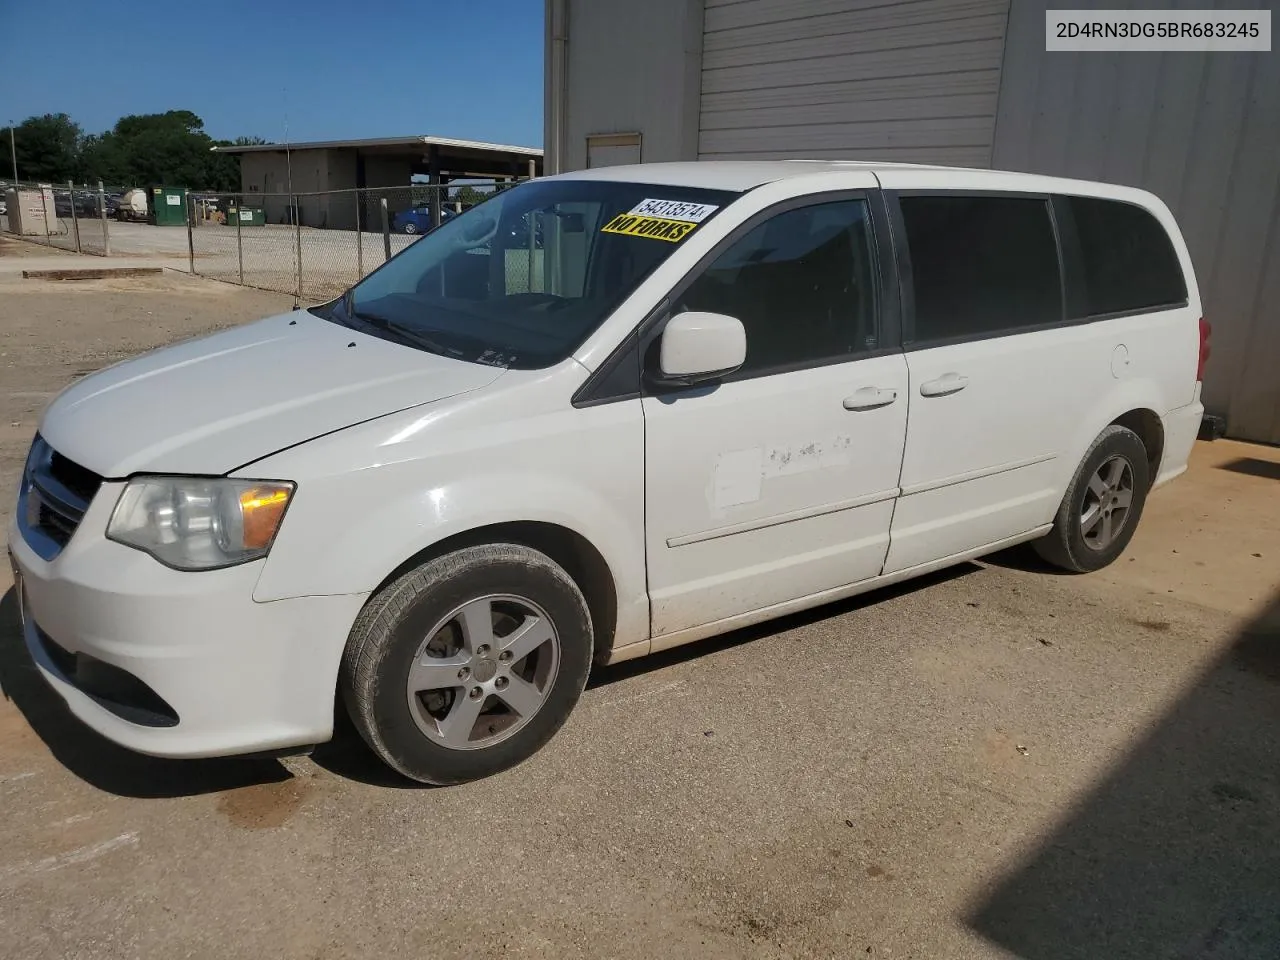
x=1107, y=502
x=410, y=228
x=483, y=672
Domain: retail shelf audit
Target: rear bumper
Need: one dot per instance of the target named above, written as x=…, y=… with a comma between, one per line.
x=1181, y=427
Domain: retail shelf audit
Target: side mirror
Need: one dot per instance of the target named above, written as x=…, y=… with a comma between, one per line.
x=701, y=346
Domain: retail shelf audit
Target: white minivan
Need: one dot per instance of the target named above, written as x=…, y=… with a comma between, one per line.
x=596, y=416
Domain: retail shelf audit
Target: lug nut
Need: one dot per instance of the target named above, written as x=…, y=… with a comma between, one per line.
x=475, y=693
x=482, y=649
x=464, y=673
x=505, y=656
x=500, y=683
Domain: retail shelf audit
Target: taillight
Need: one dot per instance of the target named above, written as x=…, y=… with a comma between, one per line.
x=1205, y=330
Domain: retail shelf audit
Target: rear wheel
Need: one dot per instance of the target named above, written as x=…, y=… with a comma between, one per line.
x=1102, y=505
x=469, y=664
x=410, y=227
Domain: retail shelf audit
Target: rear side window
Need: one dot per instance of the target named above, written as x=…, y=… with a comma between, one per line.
x=981, y=265
x=1126, y=257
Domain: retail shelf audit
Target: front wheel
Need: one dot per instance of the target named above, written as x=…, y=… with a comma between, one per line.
x=411, y=228
x=469, y=664
x=1102, y=505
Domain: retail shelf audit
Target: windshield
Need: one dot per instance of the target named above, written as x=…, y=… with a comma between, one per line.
x=523, y=278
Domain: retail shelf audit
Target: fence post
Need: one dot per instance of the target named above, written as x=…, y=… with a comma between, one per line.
x=239, y=202
x=191, y=240
x=75, y=221
x=359, y=241
x=102, y=212
x=297, y=232
x=386, y=230
x=434, y=193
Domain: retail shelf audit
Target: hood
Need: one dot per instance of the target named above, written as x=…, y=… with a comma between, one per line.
x=213, y=404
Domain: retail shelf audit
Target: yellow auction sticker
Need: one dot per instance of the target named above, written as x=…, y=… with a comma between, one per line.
x=656, y=228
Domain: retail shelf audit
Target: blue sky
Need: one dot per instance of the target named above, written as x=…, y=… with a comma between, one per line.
x=339, y=69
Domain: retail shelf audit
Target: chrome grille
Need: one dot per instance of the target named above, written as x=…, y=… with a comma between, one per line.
x=53, y=498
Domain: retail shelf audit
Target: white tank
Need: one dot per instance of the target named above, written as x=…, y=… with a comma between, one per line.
x=133, y=205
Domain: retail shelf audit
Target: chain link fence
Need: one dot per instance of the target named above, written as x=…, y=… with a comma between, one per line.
x=313, y=245
x=316, y=245
x=66, y=216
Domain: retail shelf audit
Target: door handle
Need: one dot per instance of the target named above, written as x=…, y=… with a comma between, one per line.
x=946, y=384
x=869, y=398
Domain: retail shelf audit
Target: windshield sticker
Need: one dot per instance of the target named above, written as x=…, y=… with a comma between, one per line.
x=655, y=228
x=674, y=210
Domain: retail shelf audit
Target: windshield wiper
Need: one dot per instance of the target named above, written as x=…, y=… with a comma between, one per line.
x=405, y=334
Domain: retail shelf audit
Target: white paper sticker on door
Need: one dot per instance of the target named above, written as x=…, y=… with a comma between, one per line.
x=737, y=478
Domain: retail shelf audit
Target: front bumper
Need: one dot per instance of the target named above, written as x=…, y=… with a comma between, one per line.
x=229, y=675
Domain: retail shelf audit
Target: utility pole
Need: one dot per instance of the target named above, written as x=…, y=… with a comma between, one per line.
x=13, y=154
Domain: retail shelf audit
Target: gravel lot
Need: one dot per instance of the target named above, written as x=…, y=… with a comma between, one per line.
x=331, y=259
x=993, y=762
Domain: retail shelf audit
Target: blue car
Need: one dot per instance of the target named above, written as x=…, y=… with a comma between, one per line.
x=418, y=219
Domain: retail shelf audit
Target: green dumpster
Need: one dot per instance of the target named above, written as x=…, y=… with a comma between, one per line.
x=169, y=206
x=247, y=216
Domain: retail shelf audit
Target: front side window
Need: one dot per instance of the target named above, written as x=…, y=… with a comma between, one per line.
x=981, y=265
x=1128, y=260
x=523, y=278
x=802, y=283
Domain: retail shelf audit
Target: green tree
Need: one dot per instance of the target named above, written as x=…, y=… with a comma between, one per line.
x=168, y=148
x=469, y=196
x=48, y=147
x=163, y=148
x=101, y=159
x=223, y=170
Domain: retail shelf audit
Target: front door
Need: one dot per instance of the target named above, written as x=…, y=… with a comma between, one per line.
x=779, y=482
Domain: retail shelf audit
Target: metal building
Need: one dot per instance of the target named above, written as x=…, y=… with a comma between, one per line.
x=964, y=82
x=315, y=170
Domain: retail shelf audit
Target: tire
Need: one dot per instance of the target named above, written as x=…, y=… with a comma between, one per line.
x=427, y=733
x=1113, y=478
x=411, y=228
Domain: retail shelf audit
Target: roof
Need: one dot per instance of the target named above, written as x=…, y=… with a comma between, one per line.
x=725, y=174
x=376, y=142
x=741, y=175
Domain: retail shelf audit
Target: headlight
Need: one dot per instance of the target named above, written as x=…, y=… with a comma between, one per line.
x=194, y=523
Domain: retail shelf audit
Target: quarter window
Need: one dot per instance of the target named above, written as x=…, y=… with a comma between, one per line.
x=1126, y=256
x=802, y=283
x=981, y=265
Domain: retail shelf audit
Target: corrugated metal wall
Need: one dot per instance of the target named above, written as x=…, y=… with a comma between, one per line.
x=907, y=80
x=1200, y=130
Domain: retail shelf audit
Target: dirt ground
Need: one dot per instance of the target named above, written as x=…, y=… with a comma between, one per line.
x=53, y=332
x=995, y=761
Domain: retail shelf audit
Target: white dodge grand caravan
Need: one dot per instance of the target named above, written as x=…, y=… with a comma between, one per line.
x=599, y=415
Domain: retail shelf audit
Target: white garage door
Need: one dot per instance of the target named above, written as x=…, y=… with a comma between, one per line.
x=851, y=79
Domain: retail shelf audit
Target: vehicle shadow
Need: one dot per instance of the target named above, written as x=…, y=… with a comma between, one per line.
x=603, y=676
x=98, y=761
x=347, y=756
x=1024, y=557
x=108, y=767
x=1176, y=854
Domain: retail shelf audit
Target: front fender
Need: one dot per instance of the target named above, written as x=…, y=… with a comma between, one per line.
x=367, y=502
